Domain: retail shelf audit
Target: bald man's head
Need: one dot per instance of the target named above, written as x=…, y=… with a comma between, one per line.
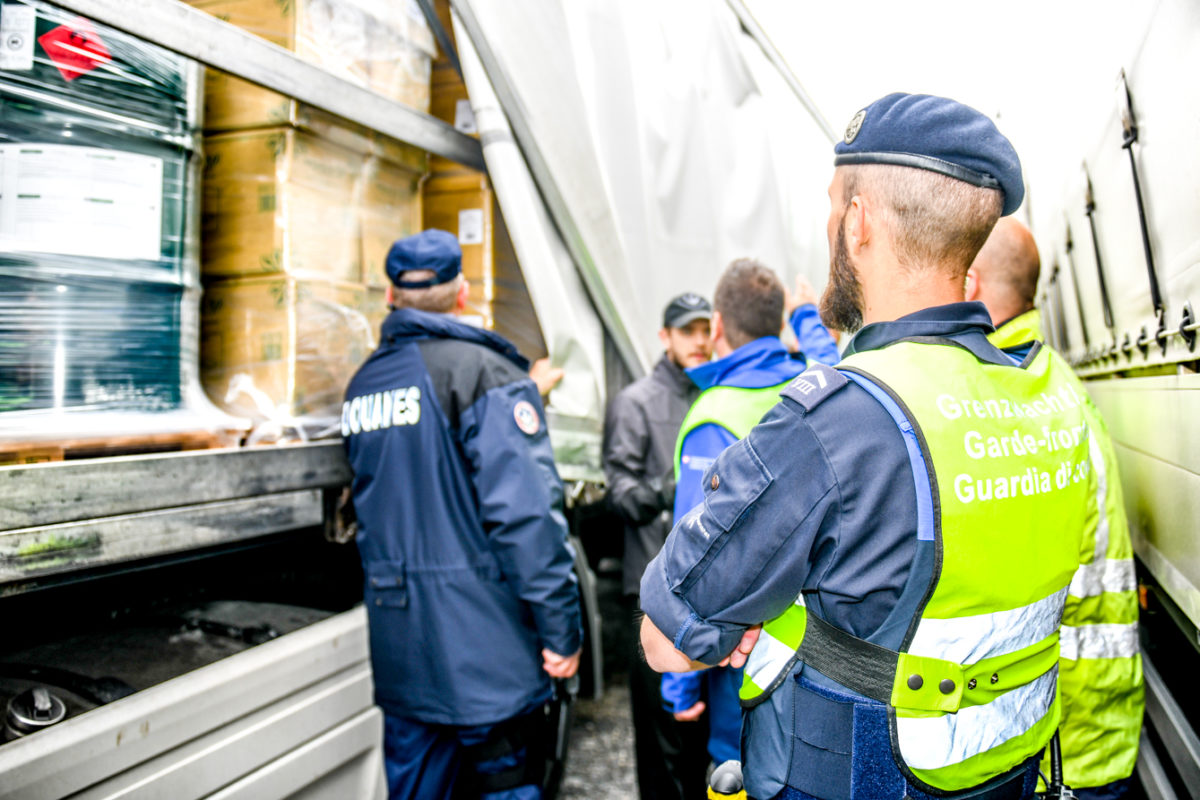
x=1004, y=276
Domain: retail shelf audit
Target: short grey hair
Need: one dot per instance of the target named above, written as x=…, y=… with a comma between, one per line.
x=438, y=299
x=933, y=219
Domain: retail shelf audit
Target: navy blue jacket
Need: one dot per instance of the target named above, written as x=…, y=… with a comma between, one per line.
x=468, y=574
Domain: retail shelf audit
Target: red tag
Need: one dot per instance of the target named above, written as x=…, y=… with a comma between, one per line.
x=75, y=49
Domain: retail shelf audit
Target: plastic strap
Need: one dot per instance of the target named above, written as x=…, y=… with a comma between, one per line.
x=857, y=664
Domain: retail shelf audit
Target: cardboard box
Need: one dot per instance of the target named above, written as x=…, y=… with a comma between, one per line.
x=281, y=347
x=375, y=44
x=280, y=200
x=329, y=33
x=390, y=210
x=375, y=309
x=449, y=103
x=513, y=314
x=232, y=104
x=464, y=205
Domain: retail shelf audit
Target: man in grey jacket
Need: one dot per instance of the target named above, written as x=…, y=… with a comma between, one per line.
x=640, y=431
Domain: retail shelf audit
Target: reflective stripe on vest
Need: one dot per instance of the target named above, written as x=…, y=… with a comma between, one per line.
x=932, y=742
x=968, y=640
x=737, y=409
x=1007, y=454
x=775, y=652
x=1100, y=681
x=1098, y=641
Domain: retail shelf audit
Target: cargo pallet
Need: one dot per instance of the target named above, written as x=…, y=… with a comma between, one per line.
x=37, y=452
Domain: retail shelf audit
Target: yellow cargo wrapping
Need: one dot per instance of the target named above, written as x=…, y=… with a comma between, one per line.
x=280, y=200
x=279, y=348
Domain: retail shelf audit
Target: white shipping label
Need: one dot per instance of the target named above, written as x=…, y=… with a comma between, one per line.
x=18, y=23
x=80, y=201
x=470, y=226
x=464, y=117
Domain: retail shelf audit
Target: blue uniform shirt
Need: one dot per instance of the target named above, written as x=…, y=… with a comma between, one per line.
x=816, y=479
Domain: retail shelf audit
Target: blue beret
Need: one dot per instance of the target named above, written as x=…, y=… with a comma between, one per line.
x=432, y=250
x=934, y=133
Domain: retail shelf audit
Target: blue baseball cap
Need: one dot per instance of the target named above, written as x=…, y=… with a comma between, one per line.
x=937, y=134
x=429, y=250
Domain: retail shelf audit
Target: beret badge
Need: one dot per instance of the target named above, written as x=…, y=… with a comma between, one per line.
x=855, y=126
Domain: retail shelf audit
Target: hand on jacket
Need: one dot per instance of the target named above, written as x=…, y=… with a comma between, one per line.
x=557, y=666
x=737, y=658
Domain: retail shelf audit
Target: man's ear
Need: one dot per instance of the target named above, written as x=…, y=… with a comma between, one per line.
x=388, y=297
x=464, y=293
x=664, y=336
x=971, y=287
x=860, y=223
x=717, y=326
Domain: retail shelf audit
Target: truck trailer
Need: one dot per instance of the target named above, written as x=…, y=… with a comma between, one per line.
x=188, y=624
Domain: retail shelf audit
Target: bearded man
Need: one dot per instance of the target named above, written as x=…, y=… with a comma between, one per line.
x=911, y=563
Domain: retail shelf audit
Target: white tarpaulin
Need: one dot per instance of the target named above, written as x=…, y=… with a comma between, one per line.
x=574, y=337
x=663, y=143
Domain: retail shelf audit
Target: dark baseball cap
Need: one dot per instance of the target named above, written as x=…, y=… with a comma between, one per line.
x=936, y=134
x=684, y=309
x=433, y=250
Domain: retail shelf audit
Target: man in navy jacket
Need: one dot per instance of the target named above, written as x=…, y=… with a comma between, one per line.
x=469, y=589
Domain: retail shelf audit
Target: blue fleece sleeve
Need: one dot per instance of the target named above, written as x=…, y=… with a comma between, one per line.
x=700, y=449
x=521, y=503
x=681, y=690
x=815, y=342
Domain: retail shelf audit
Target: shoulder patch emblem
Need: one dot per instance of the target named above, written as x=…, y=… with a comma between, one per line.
x=527, y=418
x=813, y=385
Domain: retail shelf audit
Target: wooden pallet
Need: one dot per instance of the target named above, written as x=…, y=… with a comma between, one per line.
x=17, y=452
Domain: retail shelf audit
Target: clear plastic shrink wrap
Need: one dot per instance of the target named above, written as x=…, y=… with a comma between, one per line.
x=382, y=45
x=297, y=223
x=301, y=207
x=98, y=271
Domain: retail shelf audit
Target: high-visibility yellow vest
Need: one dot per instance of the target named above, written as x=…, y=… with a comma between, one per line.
x=737, y=409
x=1100, y=668
x=1002, y=468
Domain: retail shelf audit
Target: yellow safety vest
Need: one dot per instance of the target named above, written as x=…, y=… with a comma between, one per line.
x=1003, y=472
x=1100, y=669
x=737, y=409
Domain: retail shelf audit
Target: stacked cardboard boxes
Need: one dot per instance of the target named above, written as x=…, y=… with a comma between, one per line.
x=462, y=201
x=300, y=208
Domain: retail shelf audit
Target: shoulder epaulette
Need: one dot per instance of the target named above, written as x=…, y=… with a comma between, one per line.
x=812, y=386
